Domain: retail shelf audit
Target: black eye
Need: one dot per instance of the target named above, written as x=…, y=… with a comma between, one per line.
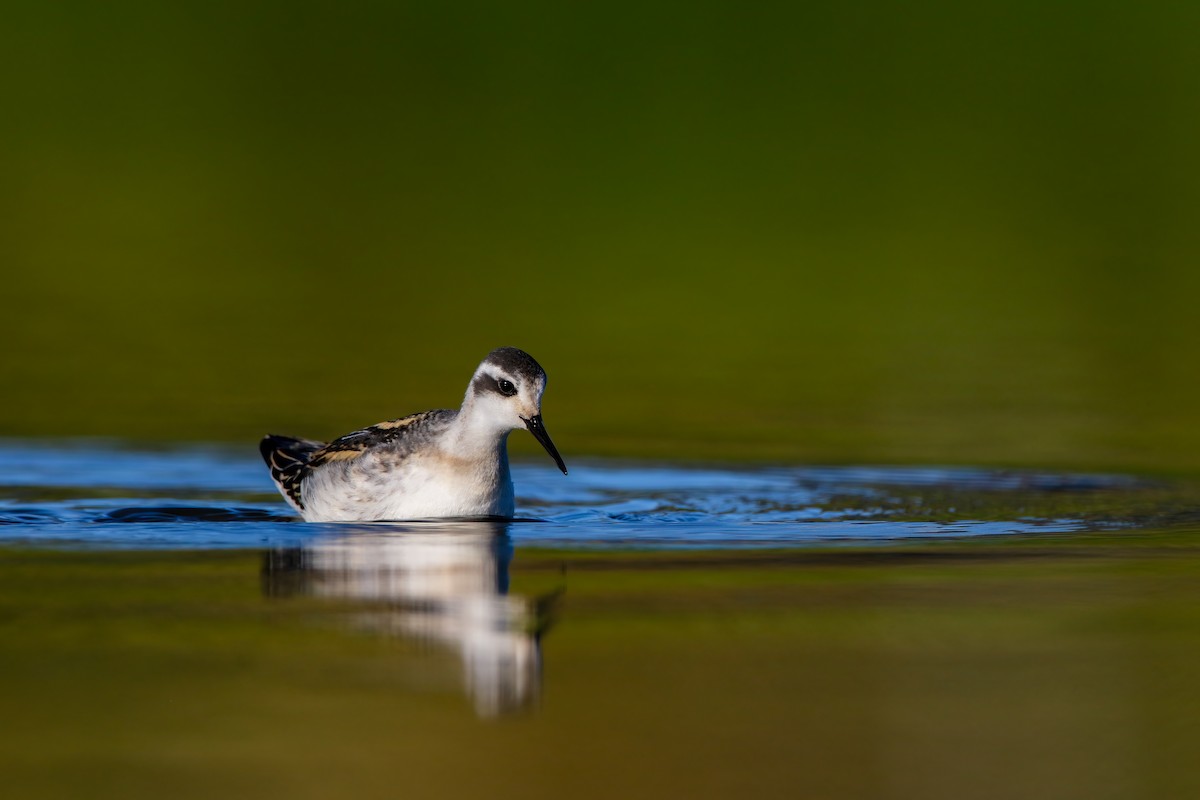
x=506, y=388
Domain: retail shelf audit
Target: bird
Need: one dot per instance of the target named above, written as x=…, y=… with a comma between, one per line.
x=432, y=465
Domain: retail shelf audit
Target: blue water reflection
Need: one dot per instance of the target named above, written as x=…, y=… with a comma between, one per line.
x=101, y=494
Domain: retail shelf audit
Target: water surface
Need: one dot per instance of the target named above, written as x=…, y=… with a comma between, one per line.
x=97, y=494
x=168, y=627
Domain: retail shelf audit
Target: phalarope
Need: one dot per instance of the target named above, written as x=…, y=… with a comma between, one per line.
x=440, y=463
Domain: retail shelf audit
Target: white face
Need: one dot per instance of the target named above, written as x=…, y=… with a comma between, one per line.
x=504, y=399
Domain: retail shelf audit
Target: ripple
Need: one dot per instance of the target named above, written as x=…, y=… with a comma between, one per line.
x=101, y=494
x=25, y=516
x=190, y=514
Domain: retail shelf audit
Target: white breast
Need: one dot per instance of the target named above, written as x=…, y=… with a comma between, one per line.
x=376, y=486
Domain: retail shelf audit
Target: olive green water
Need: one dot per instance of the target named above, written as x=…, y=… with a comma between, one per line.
x=925, y=233
x=939, y=671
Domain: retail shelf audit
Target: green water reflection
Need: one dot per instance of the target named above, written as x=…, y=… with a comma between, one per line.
x=1009, y=669
x=929, y=232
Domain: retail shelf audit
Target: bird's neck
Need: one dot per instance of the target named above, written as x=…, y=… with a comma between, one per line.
x=474, y=436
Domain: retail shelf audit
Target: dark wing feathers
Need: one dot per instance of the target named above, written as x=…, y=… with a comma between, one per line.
x=352, y=445
x=288, y=460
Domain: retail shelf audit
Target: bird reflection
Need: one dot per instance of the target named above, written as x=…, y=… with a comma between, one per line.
x=444, y=582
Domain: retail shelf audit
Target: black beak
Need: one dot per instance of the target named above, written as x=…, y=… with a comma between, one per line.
x=539, y=432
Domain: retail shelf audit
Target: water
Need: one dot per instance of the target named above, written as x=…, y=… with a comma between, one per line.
x=168, y=627
x=96, y=494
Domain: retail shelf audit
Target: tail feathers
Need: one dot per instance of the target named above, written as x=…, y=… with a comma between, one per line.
x=288, y=459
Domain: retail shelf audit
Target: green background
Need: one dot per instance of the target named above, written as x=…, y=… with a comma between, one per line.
x=888, y=232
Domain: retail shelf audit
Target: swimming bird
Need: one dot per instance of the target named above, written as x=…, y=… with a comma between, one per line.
x=436, y=464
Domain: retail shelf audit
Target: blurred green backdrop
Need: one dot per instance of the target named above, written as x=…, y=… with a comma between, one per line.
x=903, y=232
